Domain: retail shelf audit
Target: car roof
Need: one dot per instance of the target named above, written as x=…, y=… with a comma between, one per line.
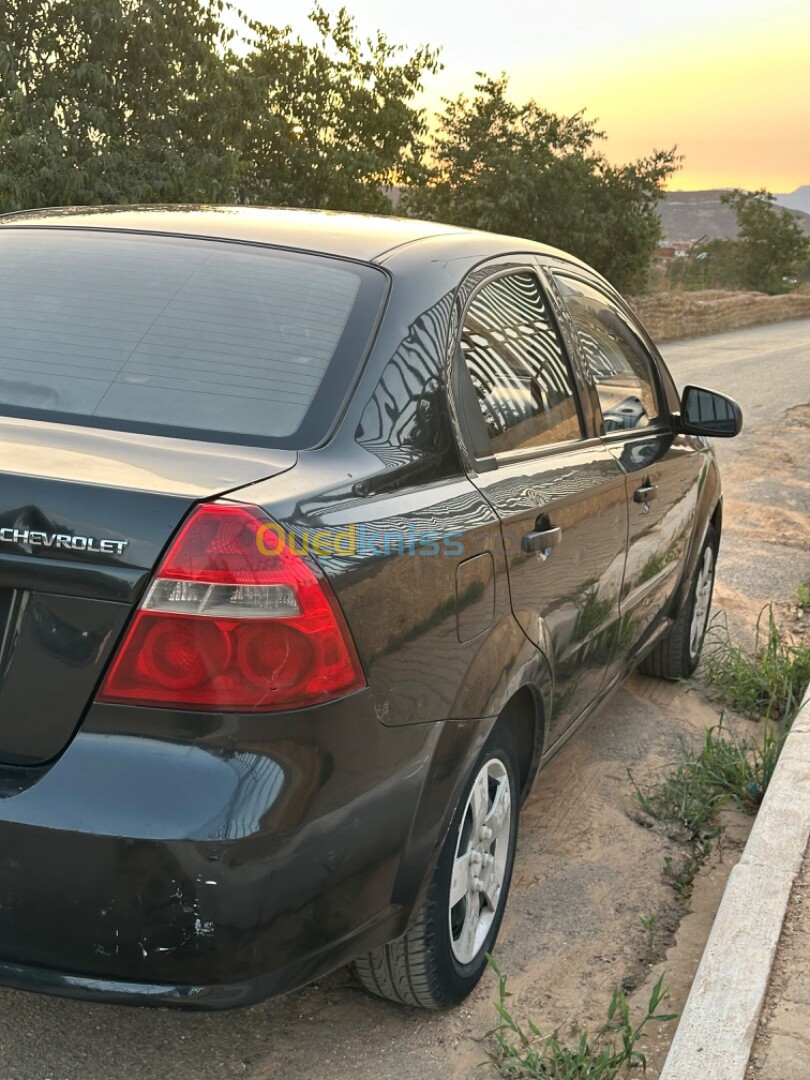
x=364, y=237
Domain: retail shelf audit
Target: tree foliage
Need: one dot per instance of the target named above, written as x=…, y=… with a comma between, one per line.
x=117, y=101
x=122, y=101
x=771, y=242
x=525, y=171
x=112, y=101
x=332, y=124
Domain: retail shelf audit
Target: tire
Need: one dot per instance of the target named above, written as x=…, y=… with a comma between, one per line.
x=440, y=959
x=676, y=656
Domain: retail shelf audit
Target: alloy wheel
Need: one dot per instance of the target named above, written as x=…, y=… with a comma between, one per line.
x=703, y=600
x=481, y=857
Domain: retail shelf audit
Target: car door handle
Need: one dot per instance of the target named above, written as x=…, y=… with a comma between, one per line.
x=541, y=541
x=646, y=493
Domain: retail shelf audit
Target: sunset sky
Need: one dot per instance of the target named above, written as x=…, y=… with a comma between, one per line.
x=728, y=81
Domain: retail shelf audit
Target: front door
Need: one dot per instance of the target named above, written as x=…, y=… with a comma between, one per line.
x=558, y=491
x=662, y=469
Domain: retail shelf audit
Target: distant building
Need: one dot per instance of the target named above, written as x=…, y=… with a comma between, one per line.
x=677, y=249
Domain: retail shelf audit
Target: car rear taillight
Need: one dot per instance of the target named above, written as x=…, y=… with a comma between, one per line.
x=234, y=620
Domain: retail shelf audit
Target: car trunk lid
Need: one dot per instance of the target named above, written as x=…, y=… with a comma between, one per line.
x=85, y=514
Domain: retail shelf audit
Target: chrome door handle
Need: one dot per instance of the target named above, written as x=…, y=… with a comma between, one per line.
x=541, y=541
x=646, y=493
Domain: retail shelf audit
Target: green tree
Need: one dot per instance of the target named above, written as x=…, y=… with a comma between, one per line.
x=126, y=101
x=113, y=101
x=772, y=244
x=331, y=124
x=522, y=170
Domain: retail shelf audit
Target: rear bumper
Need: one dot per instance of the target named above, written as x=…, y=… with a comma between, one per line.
x=215, y=870
x=201, y=997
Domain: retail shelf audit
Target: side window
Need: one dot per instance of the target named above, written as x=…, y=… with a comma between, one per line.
x=517, y=365
x=616, y=358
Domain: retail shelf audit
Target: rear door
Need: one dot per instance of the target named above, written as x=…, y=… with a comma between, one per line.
x=662, y=469
x=558, y=491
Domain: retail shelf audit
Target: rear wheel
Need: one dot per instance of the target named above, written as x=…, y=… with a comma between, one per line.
x=676, y=655
x=439, y=960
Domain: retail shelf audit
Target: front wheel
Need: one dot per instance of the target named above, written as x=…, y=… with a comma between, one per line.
x=676, y=655
x=439, y=960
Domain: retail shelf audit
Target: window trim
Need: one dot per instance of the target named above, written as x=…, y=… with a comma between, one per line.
x=462, y=385
x=662, y=422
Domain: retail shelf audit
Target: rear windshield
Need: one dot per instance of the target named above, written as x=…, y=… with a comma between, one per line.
x=179, y=336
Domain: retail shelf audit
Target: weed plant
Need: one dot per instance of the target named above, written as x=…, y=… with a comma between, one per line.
x=522, y=1051
x=767, y=682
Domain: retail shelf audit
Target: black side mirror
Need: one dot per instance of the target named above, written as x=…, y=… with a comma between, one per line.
x=704, y=412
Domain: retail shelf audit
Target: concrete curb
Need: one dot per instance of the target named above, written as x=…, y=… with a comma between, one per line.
x=719, y=1022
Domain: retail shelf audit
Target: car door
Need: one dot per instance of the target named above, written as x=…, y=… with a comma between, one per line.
x=662, y=468
x=559, y=492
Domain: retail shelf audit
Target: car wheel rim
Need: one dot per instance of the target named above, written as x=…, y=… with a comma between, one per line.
x=703, y=600
x=480, y=862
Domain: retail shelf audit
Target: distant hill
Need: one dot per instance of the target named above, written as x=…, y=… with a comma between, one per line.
x=796, y=200
x=693, y=215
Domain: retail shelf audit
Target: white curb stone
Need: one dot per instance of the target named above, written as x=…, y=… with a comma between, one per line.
x=718, y=1025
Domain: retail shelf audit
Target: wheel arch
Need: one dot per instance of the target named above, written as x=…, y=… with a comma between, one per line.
x=717, y=519
x=524, y=716
x=456, y=752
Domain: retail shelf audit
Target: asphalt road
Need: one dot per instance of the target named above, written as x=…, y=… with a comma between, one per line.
x=565, y=928
x=765, y=368
x=766, y=469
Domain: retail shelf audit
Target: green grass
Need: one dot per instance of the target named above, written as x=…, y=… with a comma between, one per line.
x=725, y=768
x=803, y=594
x=681, y=876
x=768, y=681
x=649, y=924
x=522, y=1051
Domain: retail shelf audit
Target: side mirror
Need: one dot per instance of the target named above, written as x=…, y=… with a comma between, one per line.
x=704, y=412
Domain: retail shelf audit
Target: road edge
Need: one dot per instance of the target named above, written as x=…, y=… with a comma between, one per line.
x=719, y=1022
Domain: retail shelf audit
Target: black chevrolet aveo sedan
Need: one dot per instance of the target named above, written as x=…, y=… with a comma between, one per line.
x=319, y=534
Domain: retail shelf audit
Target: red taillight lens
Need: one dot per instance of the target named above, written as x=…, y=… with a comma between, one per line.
x=234, y=620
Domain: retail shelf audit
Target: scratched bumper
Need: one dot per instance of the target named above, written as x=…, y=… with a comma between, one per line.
x=204, y=996
x=206, y=869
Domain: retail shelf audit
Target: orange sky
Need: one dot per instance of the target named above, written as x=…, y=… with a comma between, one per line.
x=740, y=115
x=728, y=81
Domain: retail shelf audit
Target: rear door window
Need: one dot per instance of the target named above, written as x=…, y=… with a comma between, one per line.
x=618, y=361
x=517, y=365
x=180, y=336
